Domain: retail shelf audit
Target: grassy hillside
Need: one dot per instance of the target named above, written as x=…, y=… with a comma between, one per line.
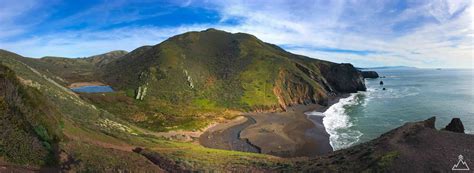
x=40, y=120
x=60, y=131
x=29, y=132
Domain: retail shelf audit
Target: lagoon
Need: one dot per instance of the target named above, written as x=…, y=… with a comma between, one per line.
x=93, y=89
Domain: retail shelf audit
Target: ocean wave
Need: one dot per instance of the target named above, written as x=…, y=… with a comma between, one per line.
x=337, y=123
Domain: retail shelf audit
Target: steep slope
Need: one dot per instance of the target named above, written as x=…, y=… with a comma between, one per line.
x=29, y=130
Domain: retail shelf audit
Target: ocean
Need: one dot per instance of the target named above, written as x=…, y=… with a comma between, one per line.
x=411, y=95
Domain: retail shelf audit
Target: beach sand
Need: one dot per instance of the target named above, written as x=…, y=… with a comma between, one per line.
x=286, y=134
x=227, y=136
x=289, y=134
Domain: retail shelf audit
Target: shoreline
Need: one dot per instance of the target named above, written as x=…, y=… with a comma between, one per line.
x=292, y=133
x=83, y=84
x=227, y=136
x=289, y=133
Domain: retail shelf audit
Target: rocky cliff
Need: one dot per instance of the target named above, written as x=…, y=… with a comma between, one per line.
x=345, y=78
x=369, y=74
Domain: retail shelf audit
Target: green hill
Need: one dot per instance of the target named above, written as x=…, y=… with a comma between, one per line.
x=198, y=74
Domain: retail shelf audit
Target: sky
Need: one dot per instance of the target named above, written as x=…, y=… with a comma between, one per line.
x=366, y=33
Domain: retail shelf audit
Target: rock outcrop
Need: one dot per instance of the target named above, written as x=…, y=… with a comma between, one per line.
x=370, y=74
x=455, y=126
x=345, y=78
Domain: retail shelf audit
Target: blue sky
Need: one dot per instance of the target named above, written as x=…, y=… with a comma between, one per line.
x=434, y=33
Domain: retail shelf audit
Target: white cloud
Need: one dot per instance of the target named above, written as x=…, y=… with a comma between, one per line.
x=361, y=25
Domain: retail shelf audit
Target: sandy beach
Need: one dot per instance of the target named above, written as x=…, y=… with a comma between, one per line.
x=227, y=136
x=286, y=134
x=289, y=133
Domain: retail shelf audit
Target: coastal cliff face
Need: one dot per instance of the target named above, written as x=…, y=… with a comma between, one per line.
x=317, y=82
x=345, y=78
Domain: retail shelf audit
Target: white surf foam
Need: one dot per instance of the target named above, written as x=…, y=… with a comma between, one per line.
x=337, y=124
